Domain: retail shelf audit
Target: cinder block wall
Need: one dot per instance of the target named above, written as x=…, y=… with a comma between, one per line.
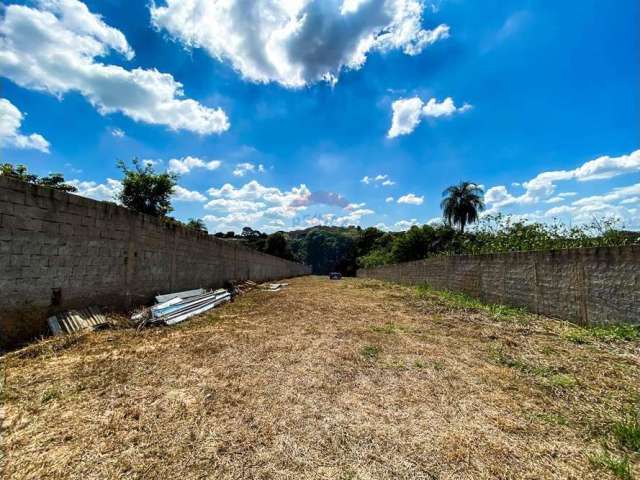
x=61, y=251
x=587, y=285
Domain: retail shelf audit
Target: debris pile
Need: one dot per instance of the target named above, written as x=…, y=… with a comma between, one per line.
x=273, y=287
x=76, y=320
x=243, y=287
x=177, y=307
x=170, y=308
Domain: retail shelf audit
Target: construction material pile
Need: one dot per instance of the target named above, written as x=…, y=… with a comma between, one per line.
x=76, y=320
x=273, y=287
x=176, y=307
x=241, y=288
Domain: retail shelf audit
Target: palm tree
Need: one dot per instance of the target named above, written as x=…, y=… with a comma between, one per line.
x=462, y=203
x=196, y=224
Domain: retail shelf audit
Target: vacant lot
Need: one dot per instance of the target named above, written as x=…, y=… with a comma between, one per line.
x=349, y=380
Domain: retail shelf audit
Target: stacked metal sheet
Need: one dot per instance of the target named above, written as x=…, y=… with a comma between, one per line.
x=177, y=309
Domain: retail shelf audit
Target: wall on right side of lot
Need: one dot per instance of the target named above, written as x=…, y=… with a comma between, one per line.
x=585, y=285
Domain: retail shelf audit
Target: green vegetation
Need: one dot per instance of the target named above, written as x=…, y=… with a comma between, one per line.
x=53, y=180
x=49, y=395
x=345, y=249
x=602, y=333
x=370, y=352
x=462, y=204
x=627, y=431
x=618, y=466
x=463, y=301
x=387, y=328
x=146, y=191
x=196, y=224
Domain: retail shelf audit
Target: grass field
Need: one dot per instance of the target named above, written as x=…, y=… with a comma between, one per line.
x=352, y=379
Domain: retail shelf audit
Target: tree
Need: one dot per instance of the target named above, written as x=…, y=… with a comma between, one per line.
x=53, y=180
x=461, y=204
x=278, y=245
x=146, y=191
x=196, y=224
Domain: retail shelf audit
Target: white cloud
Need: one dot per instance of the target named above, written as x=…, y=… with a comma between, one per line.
x=118, y=133
x=267, y=207
x=254, y=203
x=185, y=165
x=382, y=226
x=406, y=224
x=296, y=43
x=235, y=205
x=543, y=185
x=245, y=168
x=181, y=194
x=98, y=191
x=408, y=113
x=352, y=218
x=585, y=209
x=411, y=199
x=10, y=135
x=444, y=109
x=406, y=116
x=54, y=48
x=615, y=195
x=389, y=199
x=380, y=179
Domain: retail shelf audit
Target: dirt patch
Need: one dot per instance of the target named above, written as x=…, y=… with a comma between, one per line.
x=325, y=379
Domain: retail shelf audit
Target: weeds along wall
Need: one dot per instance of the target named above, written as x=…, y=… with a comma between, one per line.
x=587, y=286
x=61, y=251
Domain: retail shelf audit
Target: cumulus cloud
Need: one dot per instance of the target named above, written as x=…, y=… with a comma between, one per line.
x=543, y=185
x=109, y=190
x=245, y=168
x=379, y=179
x=406, y=224
x=411, y=199
x=295, y=43
x=389, y=199
x=407, y=113
x=619, y=203
x=54, y=48
x=98, y=191
x=181, y=194
x=268, y=207
x=10, y=135
x=184, y=165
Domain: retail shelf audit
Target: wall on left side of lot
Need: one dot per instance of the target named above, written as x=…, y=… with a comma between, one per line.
x=60, y=251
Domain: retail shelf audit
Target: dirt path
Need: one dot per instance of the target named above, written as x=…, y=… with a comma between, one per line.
x=350, y=379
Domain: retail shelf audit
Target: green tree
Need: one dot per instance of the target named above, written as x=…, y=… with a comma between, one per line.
x=278, y=245
x=146, y=191
x=53, y=180
x=461, y=204
x=196, y=224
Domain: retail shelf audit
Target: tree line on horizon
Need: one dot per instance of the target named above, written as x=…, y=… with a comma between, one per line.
x=345, y=249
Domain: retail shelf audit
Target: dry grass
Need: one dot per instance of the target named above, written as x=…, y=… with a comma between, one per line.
x=345, y=380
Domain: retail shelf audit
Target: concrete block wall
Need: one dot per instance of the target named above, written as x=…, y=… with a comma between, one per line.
x=587, y=286
x=61, y=251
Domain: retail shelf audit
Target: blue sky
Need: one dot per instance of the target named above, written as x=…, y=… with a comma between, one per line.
x=302, y=112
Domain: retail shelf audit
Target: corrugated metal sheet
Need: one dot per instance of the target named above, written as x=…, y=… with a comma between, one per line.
x=77, y=320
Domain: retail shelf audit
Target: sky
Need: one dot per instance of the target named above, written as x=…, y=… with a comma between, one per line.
x=284, y=114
